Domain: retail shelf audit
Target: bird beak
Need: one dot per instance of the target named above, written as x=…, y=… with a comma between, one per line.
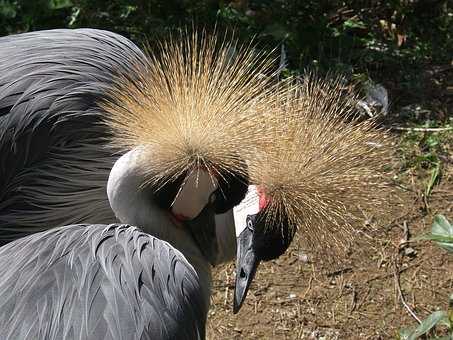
x=246, y=264
x=203, y=230
x=247, y=260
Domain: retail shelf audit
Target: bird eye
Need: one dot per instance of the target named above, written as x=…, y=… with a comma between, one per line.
x=249, y=223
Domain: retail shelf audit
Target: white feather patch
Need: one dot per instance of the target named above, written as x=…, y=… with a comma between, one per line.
x=250, y=205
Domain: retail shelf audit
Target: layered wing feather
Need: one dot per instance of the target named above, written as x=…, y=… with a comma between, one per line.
x=53, y=163
x=98, y=282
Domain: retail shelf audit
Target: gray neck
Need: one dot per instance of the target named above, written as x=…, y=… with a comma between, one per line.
x=226, y=237
x=134, y=205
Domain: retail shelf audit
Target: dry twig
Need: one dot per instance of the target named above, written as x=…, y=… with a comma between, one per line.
x=401, y=296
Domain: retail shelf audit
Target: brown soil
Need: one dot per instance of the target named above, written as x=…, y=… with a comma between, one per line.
x=296, y=298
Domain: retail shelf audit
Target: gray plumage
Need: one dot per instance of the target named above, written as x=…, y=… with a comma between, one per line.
x=53, y=161
x=86, y=281
x=98, y=282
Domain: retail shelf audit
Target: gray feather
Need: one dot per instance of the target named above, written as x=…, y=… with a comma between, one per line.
x=98, y=282
x=53, y=161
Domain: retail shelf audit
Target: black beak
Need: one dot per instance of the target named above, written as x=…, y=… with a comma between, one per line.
x=203, y=230
x=247, y=262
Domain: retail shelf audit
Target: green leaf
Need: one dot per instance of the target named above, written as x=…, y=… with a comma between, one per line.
x=433, y=179
x=429, y=323
x=432, y=141
x=60, y=4
x=441, y=226
x=442, y=232
x=354, y=23
x=404, y=334
x=7, y=9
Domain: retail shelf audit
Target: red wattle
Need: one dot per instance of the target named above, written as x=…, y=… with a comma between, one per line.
x=180, y=217
x=263, y=200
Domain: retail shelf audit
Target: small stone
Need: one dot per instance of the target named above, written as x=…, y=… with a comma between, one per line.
x=409, y=251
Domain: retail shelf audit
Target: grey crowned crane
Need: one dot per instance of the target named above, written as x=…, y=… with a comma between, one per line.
x=177, y=127
x=171, y=141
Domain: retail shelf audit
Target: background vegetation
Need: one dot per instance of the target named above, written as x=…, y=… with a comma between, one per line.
x=404, y=45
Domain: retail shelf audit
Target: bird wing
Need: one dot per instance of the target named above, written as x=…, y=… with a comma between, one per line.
x=98, y=282
x=53, y=163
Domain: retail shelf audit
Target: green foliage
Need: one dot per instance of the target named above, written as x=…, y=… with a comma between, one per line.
x=371, y=36
x=388, y=41
x=23, y=15
x=436, y=318
x=442, y=234
x=426, y=153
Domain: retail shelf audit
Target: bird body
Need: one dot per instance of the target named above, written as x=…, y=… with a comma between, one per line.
x=174, y=142
x=93, y=281
x=61, y=117
x=201, y=119
x=99, y=282
x=54, y=164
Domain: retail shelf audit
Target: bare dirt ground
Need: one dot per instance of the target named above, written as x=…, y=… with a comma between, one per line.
x=363, y=298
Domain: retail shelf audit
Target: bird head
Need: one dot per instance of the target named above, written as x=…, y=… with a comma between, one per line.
x=323, y=170
x=189, y=107
x=217, y=131
x=256, y=242
x=195, y=200
x=177, y=210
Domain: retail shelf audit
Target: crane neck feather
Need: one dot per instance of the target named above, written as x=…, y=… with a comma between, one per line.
x=135, y=204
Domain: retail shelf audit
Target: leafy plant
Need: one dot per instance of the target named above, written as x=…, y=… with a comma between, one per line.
x=425, y=153
x=436, y=318
x=442, y=234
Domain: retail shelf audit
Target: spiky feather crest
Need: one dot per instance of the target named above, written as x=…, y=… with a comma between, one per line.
x=325, y=167
x=191, y=105
x=202, y=102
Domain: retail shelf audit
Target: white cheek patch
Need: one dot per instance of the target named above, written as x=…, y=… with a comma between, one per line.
x=250, y=205
x=194, y=195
